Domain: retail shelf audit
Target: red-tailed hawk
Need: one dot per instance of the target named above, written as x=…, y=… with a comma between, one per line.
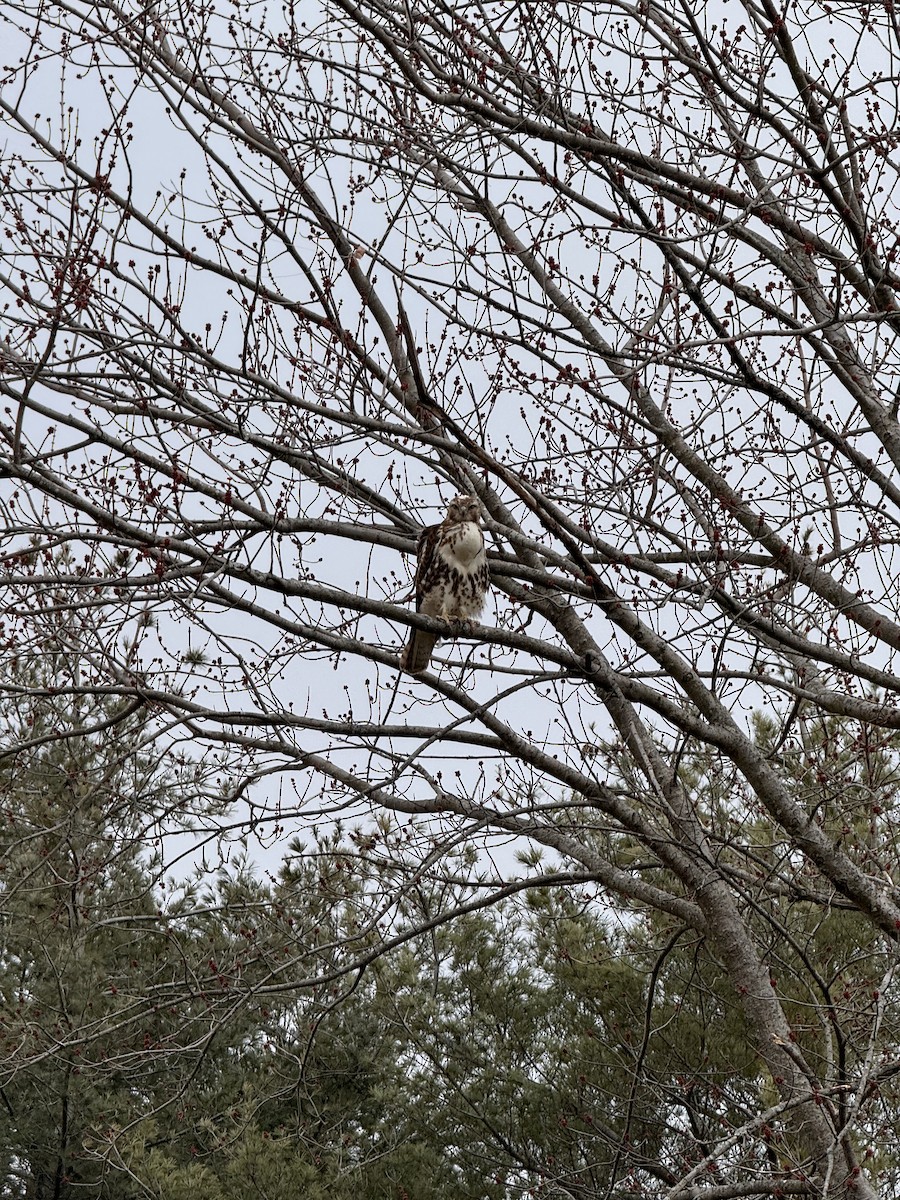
x=451, y=577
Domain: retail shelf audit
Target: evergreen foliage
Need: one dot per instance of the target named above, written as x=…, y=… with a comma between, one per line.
x=234, y=1036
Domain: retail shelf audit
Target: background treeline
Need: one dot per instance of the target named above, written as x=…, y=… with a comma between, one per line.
x=344, y=1029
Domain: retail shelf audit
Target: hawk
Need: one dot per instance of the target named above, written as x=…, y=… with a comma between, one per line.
x=451, y=577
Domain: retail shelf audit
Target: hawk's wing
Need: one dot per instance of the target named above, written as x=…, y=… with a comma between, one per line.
x=426, y=551
x=416, y=654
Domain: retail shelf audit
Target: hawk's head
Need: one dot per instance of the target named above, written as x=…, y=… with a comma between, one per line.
x=463, y=508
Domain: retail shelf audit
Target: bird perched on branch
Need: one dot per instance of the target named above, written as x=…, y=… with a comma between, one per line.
x=451, y=577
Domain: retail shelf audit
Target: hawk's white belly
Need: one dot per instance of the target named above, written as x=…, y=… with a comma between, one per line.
x=459, y=594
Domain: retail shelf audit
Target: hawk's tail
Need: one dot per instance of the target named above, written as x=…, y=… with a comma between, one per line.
x=416, y=654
